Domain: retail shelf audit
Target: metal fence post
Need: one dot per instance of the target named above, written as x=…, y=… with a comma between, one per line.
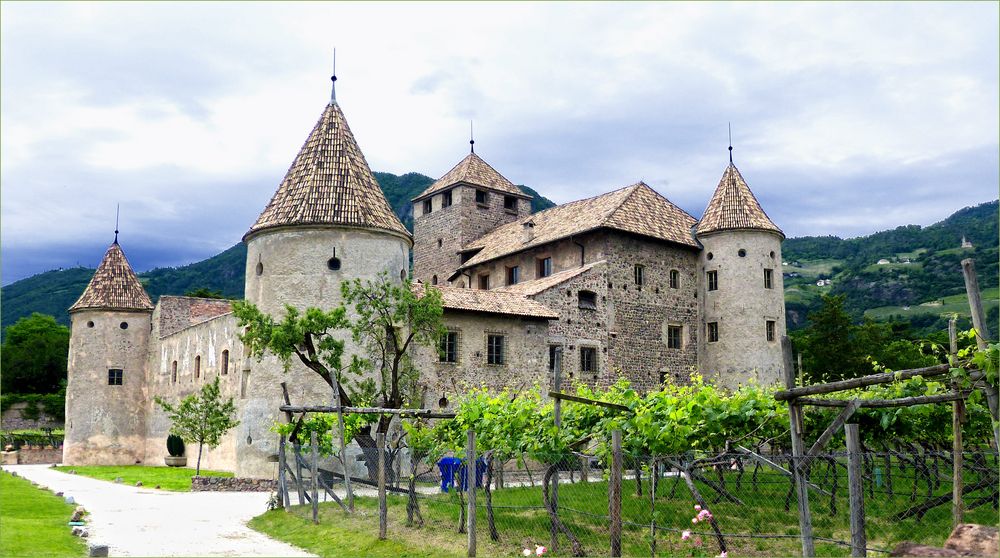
x=313, y=471
x=470, y=483
x=615, y=494
x=855, y=490
x=383, y=515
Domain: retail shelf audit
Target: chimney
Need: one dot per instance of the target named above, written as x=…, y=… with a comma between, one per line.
x=529, y=231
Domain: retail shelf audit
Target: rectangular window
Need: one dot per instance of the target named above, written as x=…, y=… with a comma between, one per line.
x=588, y=300
x=544, y=268
x=713, y=332
x=484, y=282
x=494, y=349
x=225, y=362
x=713, y=280
x=427, y=206
x=768, y=276
x=588, y=359
x=446, y=199
x=510, y=204
x=770, y=329
x=675, y=279
x=553, y=350
x=116, y=376
x=640, y=271
x=674, y=336
x=448, y=351
x=513, y=275
x=482, y=198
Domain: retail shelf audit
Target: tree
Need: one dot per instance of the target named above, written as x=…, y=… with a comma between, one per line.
x=201, y=417
x=34, y=355
x=203, y=292
x=390, y=319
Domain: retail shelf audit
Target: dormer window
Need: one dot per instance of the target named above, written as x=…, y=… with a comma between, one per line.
x=513, y=275
x=446, y=199
x=510, y=204
x=482, y=198
x=427, y=206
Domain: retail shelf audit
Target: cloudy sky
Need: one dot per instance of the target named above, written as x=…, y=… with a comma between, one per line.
x=847, y=118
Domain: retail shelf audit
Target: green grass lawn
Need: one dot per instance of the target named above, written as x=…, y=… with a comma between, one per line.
x=33, y=521
x=953, y=304
x=522, y=522
x=177, y=479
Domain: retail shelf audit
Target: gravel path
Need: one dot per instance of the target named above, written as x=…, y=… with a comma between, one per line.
x=135, y=521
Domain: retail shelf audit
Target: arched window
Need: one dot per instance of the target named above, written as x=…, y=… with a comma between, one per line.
x=197, y=367
x=434, y=280
x=225, y=362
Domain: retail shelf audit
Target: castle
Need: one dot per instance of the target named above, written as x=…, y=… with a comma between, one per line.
x=625, y=283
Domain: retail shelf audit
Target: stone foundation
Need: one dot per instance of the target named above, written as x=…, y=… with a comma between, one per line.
x=232, y=484
x=33, y=456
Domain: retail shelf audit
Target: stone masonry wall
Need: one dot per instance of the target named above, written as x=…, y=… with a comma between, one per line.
x=232, y=484
x=13, y=419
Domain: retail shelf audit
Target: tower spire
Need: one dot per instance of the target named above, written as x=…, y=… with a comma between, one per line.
x=118, y=207
x=333, y=79
x=730, y=143
x=472, y=139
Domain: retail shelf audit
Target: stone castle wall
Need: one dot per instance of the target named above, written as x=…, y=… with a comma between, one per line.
x=741, y=307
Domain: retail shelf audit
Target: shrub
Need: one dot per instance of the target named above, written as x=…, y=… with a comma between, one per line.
x=175, y=445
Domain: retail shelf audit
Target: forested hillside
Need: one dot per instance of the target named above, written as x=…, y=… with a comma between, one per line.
x=53, y=292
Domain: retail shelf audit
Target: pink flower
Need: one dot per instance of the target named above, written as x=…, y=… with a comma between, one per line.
x=724, y=554
x=697, y=507
x=526, y=552
x=694, y=520
x=685, y=535
x=540, y=550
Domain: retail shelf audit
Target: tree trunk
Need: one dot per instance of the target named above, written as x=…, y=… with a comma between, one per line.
x=197, y=467
x=574, y=542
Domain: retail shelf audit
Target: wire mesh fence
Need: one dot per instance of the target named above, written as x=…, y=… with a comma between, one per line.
x=740, y=502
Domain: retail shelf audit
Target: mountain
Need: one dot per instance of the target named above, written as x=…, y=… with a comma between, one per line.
x=53, y=292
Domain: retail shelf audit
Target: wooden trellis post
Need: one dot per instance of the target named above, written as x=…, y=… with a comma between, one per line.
x=470, y=483
x=957, y=416
x=856, y=491
x=314, y=473
x=798, y=452
x=383, y=515
x=615, y=494
x=557, y=419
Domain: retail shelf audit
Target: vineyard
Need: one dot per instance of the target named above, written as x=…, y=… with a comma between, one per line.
x=548, y=477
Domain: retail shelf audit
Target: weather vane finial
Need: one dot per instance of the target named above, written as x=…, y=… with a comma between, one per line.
x=472, y=139
x=730, y=143
x=333, y=79
x=118, y=207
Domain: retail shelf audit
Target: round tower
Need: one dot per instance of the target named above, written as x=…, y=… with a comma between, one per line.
x=740, y=287
x=105, y=390
x=327, y=223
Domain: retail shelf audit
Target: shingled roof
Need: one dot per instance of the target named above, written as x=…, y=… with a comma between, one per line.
x=733, y=206
x=329, y=183
x=114, y=286
x=490, y=302
x=636, y=209
x=533, y=287
x=476, y=172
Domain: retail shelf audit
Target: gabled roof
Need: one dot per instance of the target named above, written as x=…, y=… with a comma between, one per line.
x=476, y=172
x=733, y=206
x=636, y=209
x=114, y=286
x=489, y=302
x=329, y=183
x=536, y=286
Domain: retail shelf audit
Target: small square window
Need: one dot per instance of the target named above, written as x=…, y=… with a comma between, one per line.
x=674, y=337
x=495, y=349
x=446, y=199
x=116, y=377
x=675, y=279
x=553, y=350
x=427, y=206
x=588, y=300
x=768, y=279
x=448, y=351
x=713, y=280
x=640, y=272
x=510, y=204
x=713, y=332
x=482, y=198
x=513, y=275
x=484, y=282
x=544, y=267
x=588, y=359
x=769, y=327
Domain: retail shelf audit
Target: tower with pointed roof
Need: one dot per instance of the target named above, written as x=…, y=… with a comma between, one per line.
x=741, y=292
x=469, y=201
x=106, y=385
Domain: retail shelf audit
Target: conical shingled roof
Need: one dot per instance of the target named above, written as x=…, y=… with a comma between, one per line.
x=473, y=170
x=733, y=206
x=114, y=286
x=329, y=183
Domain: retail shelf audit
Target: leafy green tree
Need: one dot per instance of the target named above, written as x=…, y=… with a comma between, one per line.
x=34, y=355
x=201, y=417
x=829, y=344
x=203, y=292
